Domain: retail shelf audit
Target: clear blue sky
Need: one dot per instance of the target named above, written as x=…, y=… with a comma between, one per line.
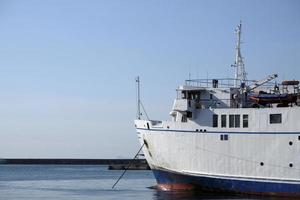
x=67, y=67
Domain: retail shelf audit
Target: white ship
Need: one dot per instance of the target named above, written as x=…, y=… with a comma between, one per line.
x=228, y=135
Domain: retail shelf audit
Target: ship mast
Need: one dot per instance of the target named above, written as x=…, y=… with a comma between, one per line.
x=240, y=73
x=138, y=115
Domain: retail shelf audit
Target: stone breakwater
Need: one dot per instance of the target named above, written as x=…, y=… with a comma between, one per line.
x=112, y=163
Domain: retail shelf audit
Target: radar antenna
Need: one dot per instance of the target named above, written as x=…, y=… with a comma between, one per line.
x=240, y=73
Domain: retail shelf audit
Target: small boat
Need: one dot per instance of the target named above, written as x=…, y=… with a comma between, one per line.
x=290, y=82
x=269, y=98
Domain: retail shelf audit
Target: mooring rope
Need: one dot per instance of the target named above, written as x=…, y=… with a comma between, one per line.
x=130, y=163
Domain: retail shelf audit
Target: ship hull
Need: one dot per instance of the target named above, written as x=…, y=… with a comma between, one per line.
x=262, y=159
x=170, y=180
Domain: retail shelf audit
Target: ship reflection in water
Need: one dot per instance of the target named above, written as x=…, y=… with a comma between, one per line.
x=87, y=182
x=189, y=195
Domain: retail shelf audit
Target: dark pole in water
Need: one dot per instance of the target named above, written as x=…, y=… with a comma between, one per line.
x=127, y=167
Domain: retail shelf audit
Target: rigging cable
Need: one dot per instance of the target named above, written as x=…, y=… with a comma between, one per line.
x=144, y=110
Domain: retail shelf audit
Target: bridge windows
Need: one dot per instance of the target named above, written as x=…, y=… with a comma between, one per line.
x=231, y=121
x=215, y=120
x=234, y=121
x=223, y=121
x=245, y=121
x=275, y=119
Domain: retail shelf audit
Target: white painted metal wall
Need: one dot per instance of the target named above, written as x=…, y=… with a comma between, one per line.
x=240, y=156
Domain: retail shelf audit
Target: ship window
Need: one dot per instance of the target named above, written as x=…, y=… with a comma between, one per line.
x=223, y=121
x=183, y=118
x=215, y=120
x=223, y=137
x=245, y=121
x=189, y=114
x=299, y=137
x=237, y=121
x=275, y=118
x=190, y=95
x=234, y=121
x=231, y=121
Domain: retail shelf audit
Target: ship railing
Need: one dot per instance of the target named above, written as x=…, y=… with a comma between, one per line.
x=209, y=83
x=225, y=83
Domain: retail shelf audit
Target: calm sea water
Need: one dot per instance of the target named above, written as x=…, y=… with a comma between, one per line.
x=64, y=182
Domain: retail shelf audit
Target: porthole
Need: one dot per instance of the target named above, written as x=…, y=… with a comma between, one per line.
x=291, y=164
x=290, y=143
x=197, y=130
x=261, y=164
x=299, y=137
x=200, y=130
x=204, y=130
x=168, y=127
